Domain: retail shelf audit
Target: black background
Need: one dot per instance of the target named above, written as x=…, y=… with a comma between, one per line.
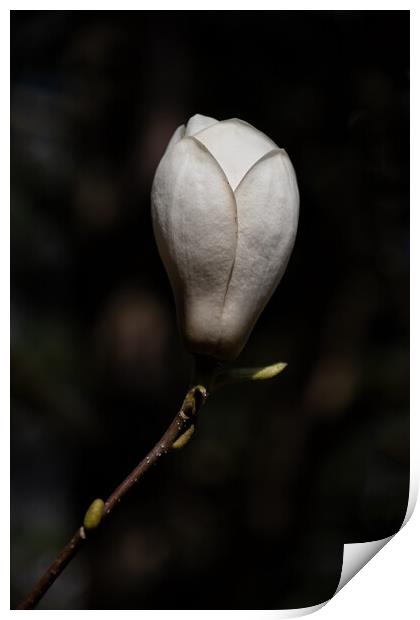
x=254, y=512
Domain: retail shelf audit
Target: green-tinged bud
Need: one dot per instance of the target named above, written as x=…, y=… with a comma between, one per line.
x=239, y=375
x=184, y=438
x=94, y=514
x=189, y=406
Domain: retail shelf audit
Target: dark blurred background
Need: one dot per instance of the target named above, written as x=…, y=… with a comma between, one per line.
x=253, y=513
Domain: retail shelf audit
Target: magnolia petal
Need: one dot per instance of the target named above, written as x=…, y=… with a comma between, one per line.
x=197, y=123
x=236, y=146
x=194, y=219
x=268, y=207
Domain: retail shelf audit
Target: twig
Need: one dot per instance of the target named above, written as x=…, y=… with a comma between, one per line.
x=180, y=424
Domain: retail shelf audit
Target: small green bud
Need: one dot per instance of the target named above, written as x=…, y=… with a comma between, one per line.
x=189, y=406
x=266, y=372
x=94, y=514
x=184, y=438
x=239, y=375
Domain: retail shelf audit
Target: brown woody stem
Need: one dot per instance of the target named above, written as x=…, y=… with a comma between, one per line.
x=181, y=423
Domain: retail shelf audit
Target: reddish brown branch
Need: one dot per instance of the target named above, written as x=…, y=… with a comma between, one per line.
x=182, y=421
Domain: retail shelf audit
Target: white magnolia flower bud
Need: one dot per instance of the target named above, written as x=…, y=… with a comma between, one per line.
x=225, y=206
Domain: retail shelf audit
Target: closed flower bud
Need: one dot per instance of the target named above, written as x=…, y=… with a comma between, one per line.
x=225, y=206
